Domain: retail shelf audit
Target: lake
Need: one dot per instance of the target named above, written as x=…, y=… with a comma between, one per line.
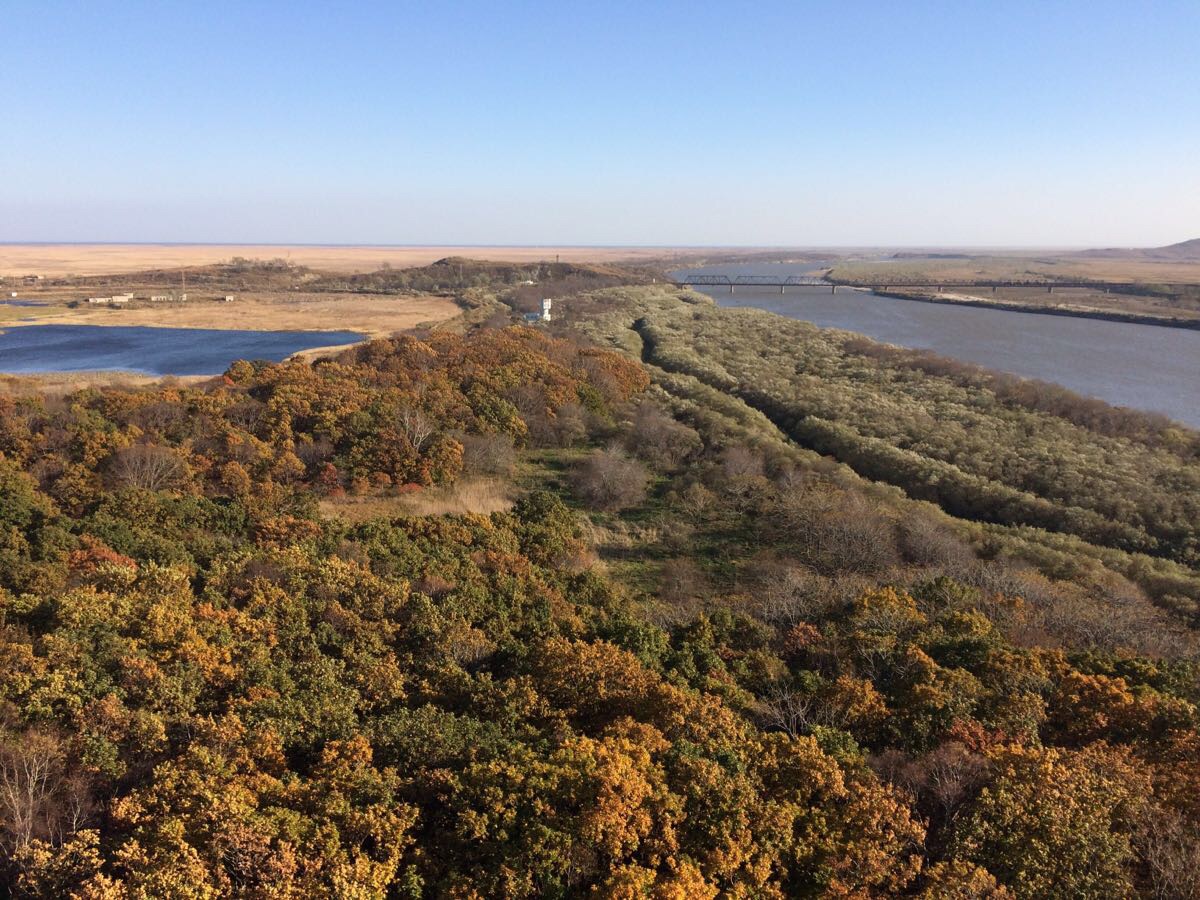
x=1146, y=367
x=150, y=351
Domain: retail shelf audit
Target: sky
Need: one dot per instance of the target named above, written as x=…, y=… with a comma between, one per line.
x=1050, y=123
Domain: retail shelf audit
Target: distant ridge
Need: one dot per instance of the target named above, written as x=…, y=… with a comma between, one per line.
x=1185, y=251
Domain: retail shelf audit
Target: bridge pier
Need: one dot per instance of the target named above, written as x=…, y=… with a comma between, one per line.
x=731, y=289
x=833, y=289
x=782, y=288
x=1050, y=289
x=993, y=289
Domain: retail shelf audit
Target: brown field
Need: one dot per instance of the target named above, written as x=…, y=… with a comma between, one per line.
x=57, y=260
x=375, y=316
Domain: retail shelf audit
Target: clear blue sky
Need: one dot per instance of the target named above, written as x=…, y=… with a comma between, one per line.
x=788, y=123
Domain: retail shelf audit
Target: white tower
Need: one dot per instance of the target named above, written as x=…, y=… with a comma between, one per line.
x=546, y=309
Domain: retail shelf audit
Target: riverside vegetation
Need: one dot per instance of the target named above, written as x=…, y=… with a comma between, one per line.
x=779, y=612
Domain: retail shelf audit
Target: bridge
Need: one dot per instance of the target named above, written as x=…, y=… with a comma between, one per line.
x=784, y=282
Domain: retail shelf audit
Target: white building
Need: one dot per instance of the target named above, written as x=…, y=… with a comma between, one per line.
x=546, y=304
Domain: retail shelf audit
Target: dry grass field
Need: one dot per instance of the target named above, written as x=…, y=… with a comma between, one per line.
x=471, y=495
x=59, y=384
x=375, y=316
x=57, y=260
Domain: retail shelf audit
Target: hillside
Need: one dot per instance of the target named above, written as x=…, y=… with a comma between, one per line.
x=1184, y=251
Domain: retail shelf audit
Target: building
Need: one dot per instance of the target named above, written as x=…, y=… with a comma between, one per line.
x=546, y=304
x=114, y=300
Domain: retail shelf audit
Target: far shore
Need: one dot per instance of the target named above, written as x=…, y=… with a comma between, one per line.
x=1072, y=311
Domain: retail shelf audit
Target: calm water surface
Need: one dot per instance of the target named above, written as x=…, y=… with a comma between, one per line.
x=150, y=351
x=1142, y=366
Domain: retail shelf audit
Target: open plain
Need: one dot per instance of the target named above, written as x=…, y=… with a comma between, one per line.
x=59, y=260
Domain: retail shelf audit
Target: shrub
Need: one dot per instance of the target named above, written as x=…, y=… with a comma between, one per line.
x=610, y=481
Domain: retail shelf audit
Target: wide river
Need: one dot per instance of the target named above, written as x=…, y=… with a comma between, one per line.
x=150, y=351
x=1146, y=367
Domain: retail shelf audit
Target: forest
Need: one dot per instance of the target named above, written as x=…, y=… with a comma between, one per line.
x=778, y=613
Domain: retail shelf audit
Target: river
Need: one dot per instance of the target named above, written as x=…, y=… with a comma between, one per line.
x=150, y=351
x=1146, y=367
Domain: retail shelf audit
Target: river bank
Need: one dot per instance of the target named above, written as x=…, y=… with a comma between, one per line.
x=1123, y=361
x=1037, y=309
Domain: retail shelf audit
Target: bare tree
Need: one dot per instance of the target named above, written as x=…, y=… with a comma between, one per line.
x=488, y=454
x=950, y=775
x=416, y=426
x=789, y=710
x=790, y=594
x=659, y=439
x=147, y=466
x=609, y=480
x=31, y=788
x=1171, y=851
x=741, y=468
x=681, y=580
x=837, y=531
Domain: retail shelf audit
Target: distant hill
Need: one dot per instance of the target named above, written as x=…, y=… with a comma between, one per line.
x=1185, y=251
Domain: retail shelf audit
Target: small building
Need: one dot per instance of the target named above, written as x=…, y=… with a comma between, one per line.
x=229, y=298
x=532, y=318
x=114, y=300
x=546, y=304
x=159, y=298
